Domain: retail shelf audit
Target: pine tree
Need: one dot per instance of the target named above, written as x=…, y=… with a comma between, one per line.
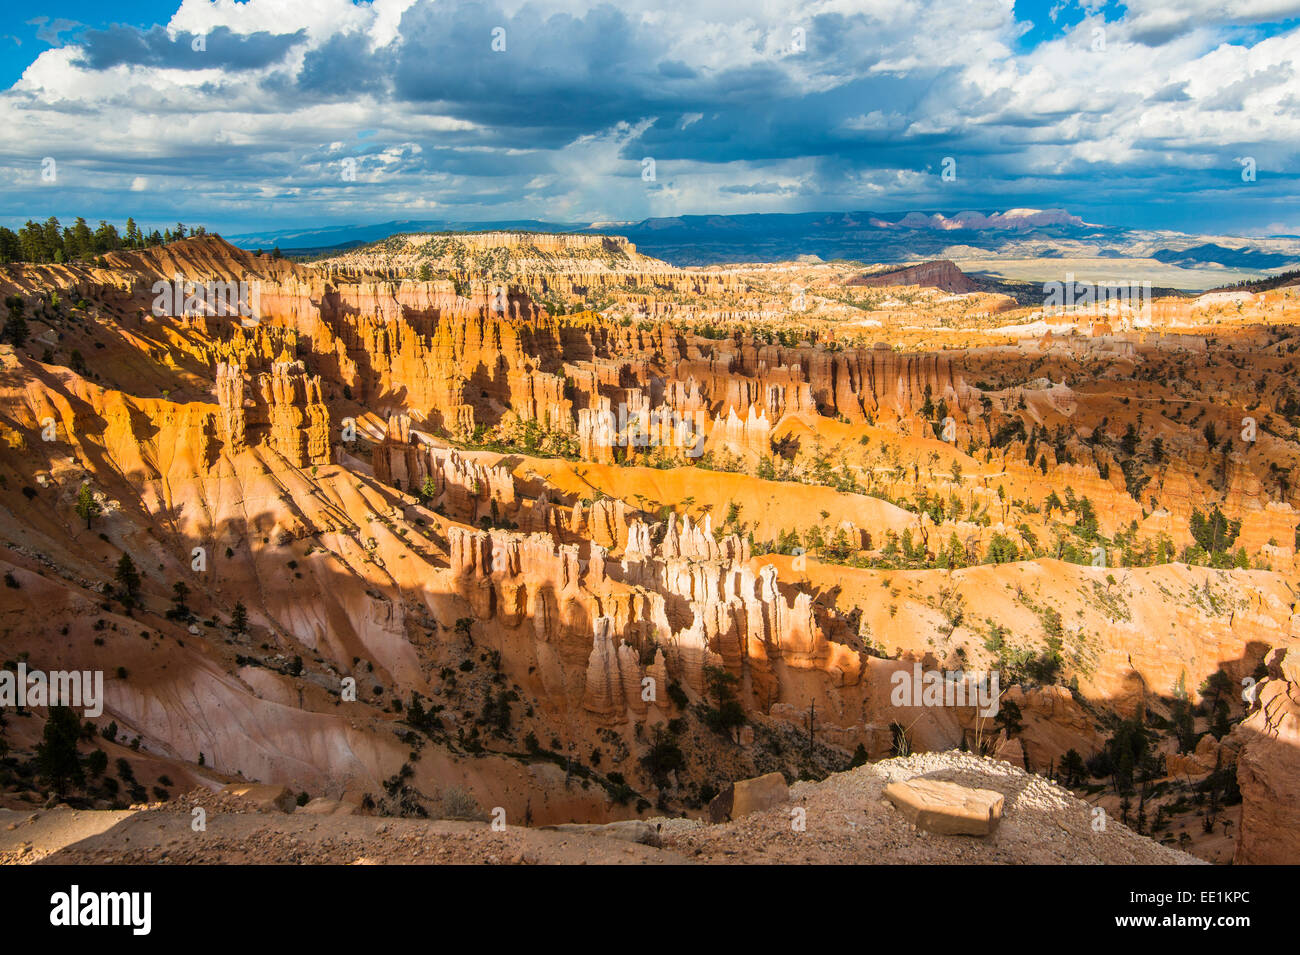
x=239, y=618
x=31, y=243
x=97, y=762
x=10, y=248
x=87, y=506
x=56, y=754
x=53, y=240
x=79, y=242
x=15, y=330
x=106, y=238
x=128, y=579
x=180, y=594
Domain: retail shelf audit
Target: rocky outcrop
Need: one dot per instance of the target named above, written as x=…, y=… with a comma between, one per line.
x=230, y=399
x=566, y=266
x=687, y=603
x=1207, y=757
x=597, y=435
x=398, y=459
x=1268, y=768
x=613, y=684
x=940, y=274
x=455, y=486
x=604, y=522
x=947, y=809
x=461, y=361
x=288, y=404
x=747, y=796
x=283, y=410
x=751, y=434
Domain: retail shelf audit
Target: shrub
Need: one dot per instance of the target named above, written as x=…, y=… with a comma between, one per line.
x=458, y=803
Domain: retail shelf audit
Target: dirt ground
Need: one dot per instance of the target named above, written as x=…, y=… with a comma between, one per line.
x=843, y=819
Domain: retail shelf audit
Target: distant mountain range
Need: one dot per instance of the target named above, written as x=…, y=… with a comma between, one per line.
x=1233, y=258
x=858, y=236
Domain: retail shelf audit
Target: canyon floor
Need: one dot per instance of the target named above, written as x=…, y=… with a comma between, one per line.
x=461, y=522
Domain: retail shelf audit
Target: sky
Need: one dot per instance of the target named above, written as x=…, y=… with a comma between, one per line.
x=267, y=114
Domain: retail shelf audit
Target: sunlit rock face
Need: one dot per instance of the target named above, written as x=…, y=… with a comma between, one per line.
x=1268, y=768
x=421, y=491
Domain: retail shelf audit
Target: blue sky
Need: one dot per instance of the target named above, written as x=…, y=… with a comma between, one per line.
x=255, y=115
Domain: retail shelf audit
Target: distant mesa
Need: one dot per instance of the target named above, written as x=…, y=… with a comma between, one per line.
x=1211, y=253
x=1016, y=220
x=861, y=236
x=940, y=273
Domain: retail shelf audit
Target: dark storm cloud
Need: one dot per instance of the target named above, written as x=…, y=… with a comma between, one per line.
x=343, y=65
x=675, y=70
x=786, y=109
x=490, y=164
x=121, y=44
x=563, y=76
x=788, y=126
x=559, y=75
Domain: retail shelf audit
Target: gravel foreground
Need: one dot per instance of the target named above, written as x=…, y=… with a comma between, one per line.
x=843, y=819
x=849, y=820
